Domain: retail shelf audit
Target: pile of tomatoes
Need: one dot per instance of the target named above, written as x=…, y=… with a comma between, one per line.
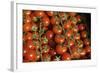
x=55, y=36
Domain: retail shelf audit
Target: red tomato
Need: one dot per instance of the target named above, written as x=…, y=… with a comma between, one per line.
x=75, y=55
x=69, y=33
x=27, y=20
x=54, y=20
x=52, y=52
x=50, y=13
x=27, y=27
x=28, y=36
x=66, y=56
x=88, y=49
x=61, y=49
x=77, y=36
x=83, y=34
x=59, y=39
x=57, y=29
x=49, y=34
x=45, y=21
x=30, y=44
x=31, y=56
x=27, y=12
x=67, y=25
x=86, y=42
x=39, y=13
x=81, y=27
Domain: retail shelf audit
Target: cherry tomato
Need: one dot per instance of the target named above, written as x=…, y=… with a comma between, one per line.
x=81, y=27
x=52, y=43
x=27, y=12
x=75, y=29
x=52, y=52
x=28, y=36
x=31, y=56
x=86, y=42
x=45, y=21
x=79, y=43
x=77, y=36
x=27, y=20
x=59, y=39
x=61, y=49
x=66, y=56
x=57, y=29
x=27, y=27
x=50, y=13
x=67, y=25
x=88, y=49
x=30, y=44
x=49, y=34
x=39, y=13
x=46, y=57
x=83, y=34
x=54, y=20
x=69, y=33
x=71, y=42
x=36, y=44
x=82, y=53
x=34, y=18
x=75, y=55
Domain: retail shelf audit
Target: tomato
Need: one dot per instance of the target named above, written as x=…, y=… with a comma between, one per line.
x=49, y=34
x=81, y=27
x=57, y=29
x=59, y=39
x=83, y=34
x=61, y=49
x=45, y=21
x=88, y=49
x=75, y=29
x=45, y=48
x=34, y=18
x=36, y=44
x=71, y=42
x=25, y=50
x=77, y=36
x=34, y=27
x=28, y=36
x=52, y=52
x=46, y=57
x=86, y=42
x=66, y=56
x=52, y=43
x=27, y=12
x=44, y=40
x=78, y=18
x=35, y=35
x=27, y=27
x=54, y=20
x=75, y=55
x=50, y=13
x=27, y=19
x=69, y=33
x=74, y=48
x=67, y=25
x=31, y=56
x=30, y=44
x=39, y=13
x=82, y=53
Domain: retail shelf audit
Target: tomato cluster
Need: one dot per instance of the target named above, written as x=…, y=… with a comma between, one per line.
x=55, y=36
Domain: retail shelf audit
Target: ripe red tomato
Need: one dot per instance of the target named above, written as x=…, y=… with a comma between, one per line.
x=27, y=12
x=75, y=55
x=82, y=53
x=27, y=20
x=28, y=36
x=31, y=56
x=88, y=49
x=30, y=44
x=66, y=56
x=50, y=13
x=54, y=20
x=57, y=29
x=49, y=34
x=69, y=33
x=77, y=36
x=36, y=44
x=86, y=42
x=39, y=13
x=75, y=29
x=67, y=25
x=59, y=39
x=61, y=49
x=83, y=34
x=52, y=52
x=71, y=42
x=45, y=21
x=81, y=27
x=27, y=27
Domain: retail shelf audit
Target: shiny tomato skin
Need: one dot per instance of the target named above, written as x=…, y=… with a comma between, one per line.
x=27, y=27
x=83, y=34
x=27, y=20
x=67, y=25
x=49, y=34
x=86, y=42
x=39, y=13
x=28, y=36
x=30, y=44
x=59, y=39
x=87, y=49
x=57, y=29
x=66, y=56
x=45, y=21
x=54, y=20
x=52, y=52
x=50, y=13
x=61, y=49
x=81, y=27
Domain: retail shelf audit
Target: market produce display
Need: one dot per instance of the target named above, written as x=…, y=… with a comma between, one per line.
x=56, y=36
